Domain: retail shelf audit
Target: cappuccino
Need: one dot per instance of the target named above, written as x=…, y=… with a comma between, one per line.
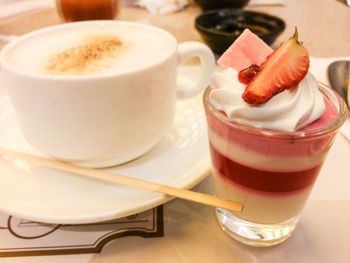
x=87, y=92
x=92, y=50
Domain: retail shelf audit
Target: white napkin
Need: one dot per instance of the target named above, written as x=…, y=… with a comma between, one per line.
x=318, y=67
x=163, y=7
x=13, y=7
x=266, y=2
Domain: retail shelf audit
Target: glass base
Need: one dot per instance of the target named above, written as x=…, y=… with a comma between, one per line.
x=254, y=234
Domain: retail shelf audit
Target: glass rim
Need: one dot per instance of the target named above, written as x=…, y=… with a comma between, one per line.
x=331, y=127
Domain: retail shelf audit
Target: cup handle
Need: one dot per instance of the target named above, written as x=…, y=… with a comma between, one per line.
x=191, y=49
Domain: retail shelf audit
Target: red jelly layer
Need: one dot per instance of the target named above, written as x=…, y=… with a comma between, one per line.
x=262, y=180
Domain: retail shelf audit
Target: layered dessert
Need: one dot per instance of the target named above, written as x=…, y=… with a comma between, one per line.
x=270, y=127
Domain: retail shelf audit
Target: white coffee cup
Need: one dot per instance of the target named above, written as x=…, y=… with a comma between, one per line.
x=101, y=120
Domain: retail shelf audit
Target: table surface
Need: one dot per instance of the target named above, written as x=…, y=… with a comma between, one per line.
x=191, y=231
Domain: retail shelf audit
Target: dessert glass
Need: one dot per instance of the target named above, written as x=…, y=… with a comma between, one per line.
x=271, y=172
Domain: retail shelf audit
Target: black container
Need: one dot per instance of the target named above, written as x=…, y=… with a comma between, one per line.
x=220, y=28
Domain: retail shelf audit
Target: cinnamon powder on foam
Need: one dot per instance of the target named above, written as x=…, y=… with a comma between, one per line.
x=89, y=56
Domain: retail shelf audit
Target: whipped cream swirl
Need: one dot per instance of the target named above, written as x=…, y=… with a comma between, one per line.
x=289, y=110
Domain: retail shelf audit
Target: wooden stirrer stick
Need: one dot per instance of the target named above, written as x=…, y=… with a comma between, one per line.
x=125, y=180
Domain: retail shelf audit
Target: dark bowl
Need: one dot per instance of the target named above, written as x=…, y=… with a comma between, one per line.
x=219, y=28
x=216, y=4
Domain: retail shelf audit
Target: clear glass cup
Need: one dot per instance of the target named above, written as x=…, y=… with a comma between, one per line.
x=271, y=172
x=80, y=10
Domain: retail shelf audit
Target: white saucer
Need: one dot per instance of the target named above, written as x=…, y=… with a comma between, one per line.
x=181, y=159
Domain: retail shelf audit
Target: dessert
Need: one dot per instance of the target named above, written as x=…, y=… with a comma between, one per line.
x=273, y=177
x=270, y=126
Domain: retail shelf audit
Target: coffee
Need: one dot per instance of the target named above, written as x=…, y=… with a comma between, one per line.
x=90, y=50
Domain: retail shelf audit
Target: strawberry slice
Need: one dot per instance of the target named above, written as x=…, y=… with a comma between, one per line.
x=246, y=75
x=282, y=70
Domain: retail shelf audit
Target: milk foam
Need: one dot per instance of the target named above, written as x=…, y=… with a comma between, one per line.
x=139, y=49
x=93, y=54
